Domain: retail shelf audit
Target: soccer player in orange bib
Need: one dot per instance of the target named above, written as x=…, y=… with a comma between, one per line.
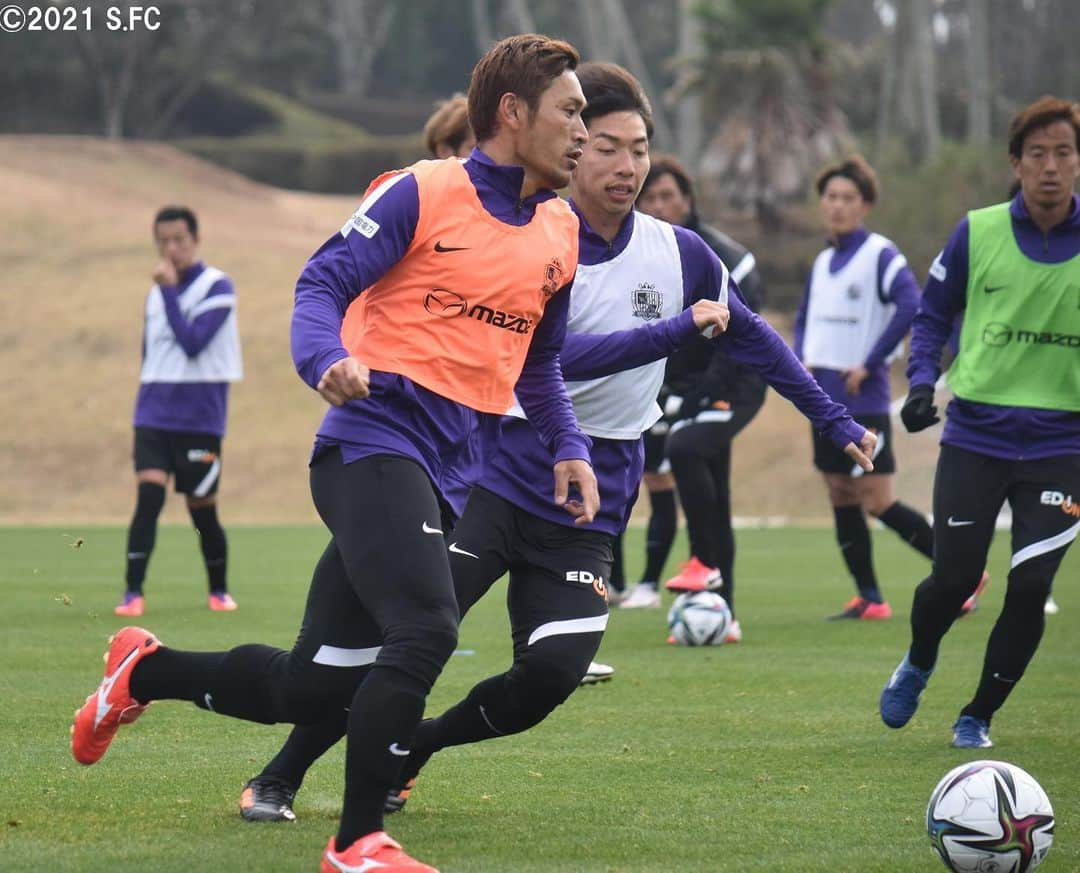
x=445, y=293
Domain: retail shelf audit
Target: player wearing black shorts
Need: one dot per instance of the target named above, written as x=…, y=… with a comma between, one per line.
x=191, y=352
x=1012, y=431
x=859, y=301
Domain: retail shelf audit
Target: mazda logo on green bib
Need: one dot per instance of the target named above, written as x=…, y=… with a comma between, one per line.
x=997, y=333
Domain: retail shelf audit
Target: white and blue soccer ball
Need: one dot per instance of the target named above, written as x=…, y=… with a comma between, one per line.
x=699, y=618
x=990, y=817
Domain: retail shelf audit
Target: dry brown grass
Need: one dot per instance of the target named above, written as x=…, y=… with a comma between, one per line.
x=77, y=256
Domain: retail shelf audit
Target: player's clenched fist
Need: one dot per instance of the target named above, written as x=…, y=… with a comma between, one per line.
x=710, y=316
x=343, y=381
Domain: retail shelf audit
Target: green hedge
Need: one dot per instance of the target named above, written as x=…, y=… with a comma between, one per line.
x=322, y=167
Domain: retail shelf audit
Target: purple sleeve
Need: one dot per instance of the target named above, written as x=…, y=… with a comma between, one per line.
x=541, y=390
x=374, y=238
x=207, y=317
x=902, y=290
x=943, y=299
x=704, y=274
x=750, y=340
x=590, y=356
x=799, y=329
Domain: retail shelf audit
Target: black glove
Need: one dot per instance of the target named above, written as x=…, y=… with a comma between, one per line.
x=918, y=412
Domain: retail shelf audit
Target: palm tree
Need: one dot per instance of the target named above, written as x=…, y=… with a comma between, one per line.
x=766, y=84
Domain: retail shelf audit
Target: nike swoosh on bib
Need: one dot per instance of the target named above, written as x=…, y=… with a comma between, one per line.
x=439, y=247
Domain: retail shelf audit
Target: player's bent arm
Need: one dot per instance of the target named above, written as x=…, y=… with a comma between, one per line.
x=540, y=388
x=943, y=298
x=374, y=238
x=898, y=287
x=207, y=316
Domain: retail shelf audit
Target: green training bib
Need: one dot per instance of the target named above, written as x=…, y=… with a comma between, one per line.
x=1020, y=341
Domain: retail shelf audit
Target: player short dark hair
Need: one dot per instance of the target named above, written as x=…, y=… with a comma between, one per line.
x=610, y=88
x=858, y=171
x=1043, y=112
x=449, y=124
x=664, y=165
x=525, y=65
x=177, y=213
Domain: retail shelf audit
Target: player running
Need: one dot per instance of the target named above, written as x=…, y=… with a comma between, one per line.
x=633, y=270
x=454, y=276
x=1013, y=430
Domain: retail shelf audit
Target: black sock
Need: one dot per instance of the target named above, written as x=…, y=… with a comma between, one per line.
x=249, y=682
x=465, y=722
x=305, y=745
x=170, y=674
x=618, y=573
x=911, y=526
x=1011, y=647
x=142, y=533
x=213, y=544
x=383, y=718
x=854, y=538
x=660, y=533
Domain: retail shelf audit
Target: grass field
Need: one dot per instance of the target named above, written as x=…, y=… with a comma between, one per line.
x=768, y=755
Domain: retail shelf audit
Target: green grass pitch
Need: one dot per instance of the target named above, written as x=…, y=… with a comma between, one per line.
x=767, y=755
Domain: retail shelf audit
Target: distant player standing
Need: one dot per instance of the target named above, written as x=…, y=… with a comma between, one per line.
x=191, y=352
x=444, y=293
x=858, y=304
x=1013, y=430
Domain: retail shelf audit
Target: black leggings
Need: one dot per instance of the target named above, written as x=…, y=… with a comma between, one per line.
x=969, y=490
x=380, y=623
x=700, y=455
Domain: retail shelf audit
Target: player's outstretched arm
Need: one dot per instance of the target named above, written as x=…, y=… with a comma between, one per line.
x=590, y=356
x=752, y=341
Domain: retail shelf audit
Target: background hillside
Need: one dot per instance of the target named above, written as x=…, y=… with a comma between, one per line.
x=78, y=255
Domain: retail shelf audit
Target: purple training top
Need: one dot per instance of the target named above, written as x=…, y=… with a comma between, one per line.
x=519, y=470
x=873, y=397
x=1013, y=432
x=401, y=417
x=189, y=407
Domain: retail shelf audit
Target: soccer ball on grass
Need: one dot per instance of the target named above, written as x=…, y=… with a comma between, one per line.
x=699, y=618
x=990, y=817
